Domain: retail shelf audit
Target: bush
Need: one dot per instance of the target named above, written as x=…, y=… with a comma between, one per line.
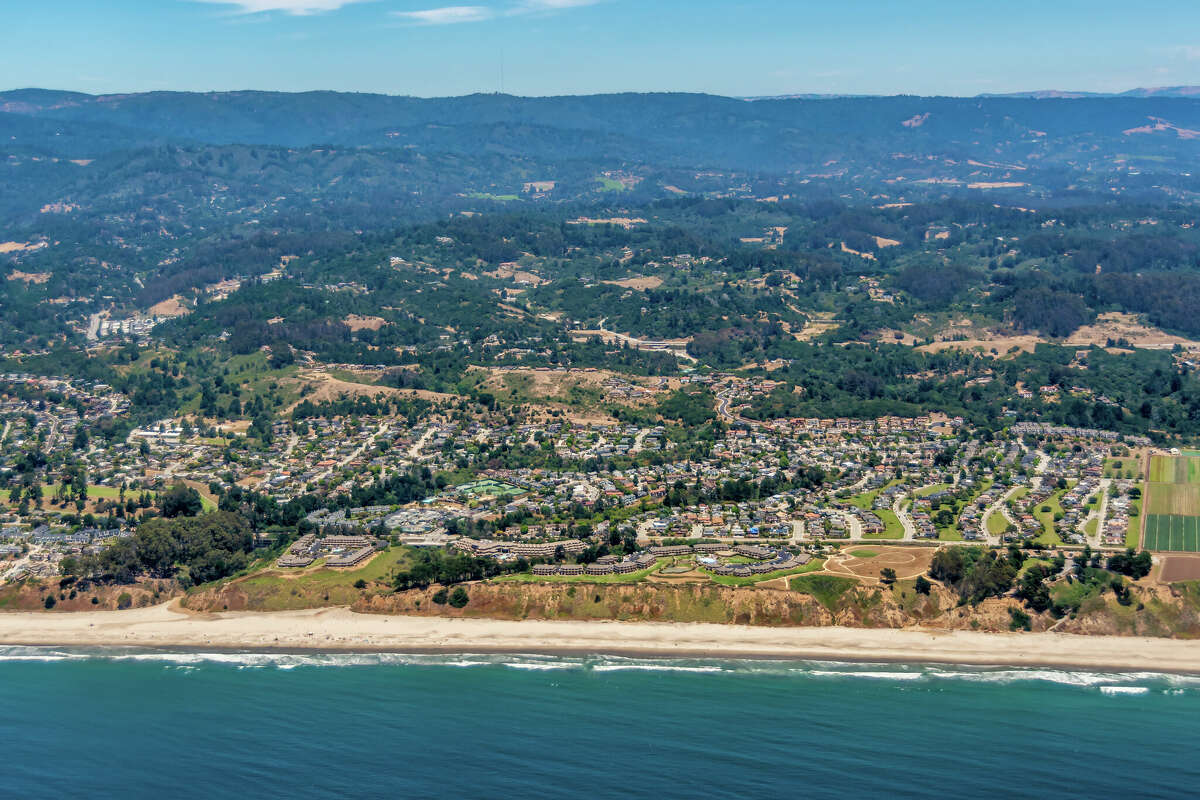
x=440, y=596
x=458, y=598
x=124, y=600
x=922, y=586
x=50, y=602
x=1019, y=620
x=360, y=584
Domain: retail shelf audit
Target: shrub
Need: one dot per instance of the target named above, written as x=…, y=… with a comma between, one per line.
x=1019, y=620
x=458, y=598
x=360, y=584
x=441, y=596
x=50, y=602
x=124, y=600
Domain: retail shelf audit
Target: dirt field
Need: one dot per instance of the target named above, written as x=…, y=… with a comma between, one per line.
x=624, y=222
x=29, y=277
x=1117, y=325
x=505, y=272
x=996, y=185
x=327, y=387
x=1180, y=568
x=13, y=247
x=651, y=282
x=987, y=343
x=359, y=323
x=881, y=242
x=908, y=562
x=171, y=307
x=868, y=256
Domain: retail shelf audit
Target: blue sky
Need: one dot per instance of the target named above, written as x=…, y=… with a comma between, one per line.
x=450, y=47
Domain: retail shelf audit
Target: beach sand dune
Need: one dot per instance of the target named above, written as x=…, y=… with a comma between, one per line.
x=342, y=629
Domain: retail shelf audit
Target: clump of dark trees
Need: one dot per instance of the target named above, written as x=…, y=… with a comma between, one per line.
x=192, y=550
x=977, y=573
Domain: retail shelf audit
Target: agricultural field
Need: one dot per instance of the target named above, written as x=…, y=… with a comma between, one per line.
x=1174, y=469
x=1172, y=504
x=1172, y=532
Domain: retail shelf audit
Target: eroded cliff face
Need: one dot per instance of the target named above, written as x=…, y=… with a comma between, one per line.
x=1155, y=610
x=30, y=595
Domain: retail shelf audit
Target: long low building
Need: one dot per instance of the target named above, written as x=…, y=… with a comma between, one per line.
x=489, y=548
x=626, y=566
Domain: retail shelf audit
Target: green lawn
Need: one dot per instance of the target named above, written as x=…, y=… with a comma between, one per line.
x=610, y=185
x=864, y=553
x=1049, y=535
x=502, y=198
x=867, y=499
x=1129, y=467
x=1092, y=526
x=996, y=523
x=925, y=491
x=1133, y=533
x=892, y=527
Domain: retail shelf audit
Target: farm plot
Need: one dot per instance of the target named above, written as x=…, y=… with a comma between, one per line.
x=1172, y=505
x=1172, y=533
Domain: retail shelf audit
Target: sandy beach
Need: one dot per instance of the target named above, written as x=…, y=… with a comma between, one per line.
x=341, y=629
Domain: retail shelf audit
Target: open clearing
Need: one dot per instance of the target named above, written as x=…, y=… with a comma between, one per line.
x=171, y=307
x=988, y=343
x=641, y=283
x=1115, y=325
x=908, y=562
x=359, y=323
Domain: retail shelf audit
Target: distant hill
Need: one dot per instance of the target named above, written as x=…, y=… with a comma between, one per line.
x=1159, y=91
x=693, y=130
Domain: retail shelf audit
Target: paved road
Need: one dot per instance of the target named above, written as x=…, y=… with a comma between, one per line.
x=1100, y=514
x=910, y=527
x=998, y=507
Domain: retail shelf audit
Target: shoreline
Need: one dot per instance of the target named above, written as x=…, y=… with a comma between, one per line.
x=339, y=630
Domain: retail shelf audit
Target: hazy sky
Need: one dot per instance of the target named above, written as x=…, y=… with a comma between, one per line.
x=754, y=47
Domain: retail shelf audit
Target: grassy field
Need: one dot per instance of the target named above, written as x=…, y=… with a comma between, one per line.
x=864, y=553
x=1125, y=467
x=925, y=491
x=610, y=184
x=827, y=589
x=997, y=523
x=503, y=198
x=892, y=528
x=1049, y=535
x=1133, y=533
x=280, y=590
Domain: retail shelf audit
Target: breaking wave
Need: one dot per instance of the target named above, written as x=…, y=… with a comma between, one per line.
x=1113, y=683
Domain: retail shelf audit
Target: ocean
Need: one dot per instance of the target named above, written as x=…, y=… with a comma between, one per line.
x=96, y=723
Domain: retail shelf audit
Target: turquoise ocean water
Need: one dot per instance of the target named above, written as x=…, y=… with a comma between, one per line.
x=125, y=723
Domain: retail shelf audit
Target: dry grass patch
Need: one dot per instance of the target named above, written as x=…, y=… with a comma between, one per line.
x=641, y=283
x=356, y=322
x=29, y=277
x=1116, y=325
